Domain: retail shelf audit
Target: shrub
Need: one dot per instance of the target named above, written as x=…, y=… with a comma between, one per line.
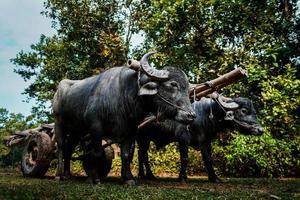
x=256, y=156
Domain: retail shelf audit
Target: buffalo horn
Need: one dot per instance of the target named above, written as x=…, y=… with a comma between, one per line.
x=227, y=105
x=151, y=71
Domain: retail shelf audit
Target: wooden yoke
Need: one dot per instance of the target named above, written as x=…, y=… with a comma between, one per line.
x=203, y=89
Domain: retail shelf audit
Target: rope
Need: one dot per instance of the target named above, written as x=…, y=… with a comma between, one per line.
x=210, y=107
x=194, y=98
x=209, y=84
x=139, y=79
x=170, y=103
x=241, y=123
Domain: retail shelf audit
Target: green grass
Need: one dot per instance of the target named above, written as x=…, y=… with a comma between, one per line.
x=14, y=186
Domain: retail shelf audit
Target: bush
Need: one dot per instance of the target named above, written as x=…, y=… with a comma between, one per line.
x=258, y=156
x=233, y=154
x=164, y=161
x=12, y=158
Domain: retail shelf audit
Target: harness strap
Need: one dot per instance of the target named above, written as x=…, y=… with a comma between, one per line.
x=194, y=98
x=244, y=124
x=169, y=102
x=160, y=96
x=233, y=119
x=139, y=78
x=209, y=84
x=211, y=115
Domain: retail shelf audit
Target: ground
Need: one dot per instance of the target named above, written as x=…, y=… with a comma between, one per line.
x=14, y=186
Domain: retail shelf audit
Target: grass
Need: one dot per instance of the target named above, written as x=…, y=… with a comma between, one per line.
x=14, y=186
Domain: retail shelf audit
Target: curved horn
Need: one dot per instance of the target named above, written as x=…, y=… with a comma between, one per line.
x=151, y=71
x=230, y=106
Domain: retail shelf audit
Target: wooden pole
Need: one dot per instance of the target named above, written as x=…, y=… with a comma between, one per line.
x=203, y=89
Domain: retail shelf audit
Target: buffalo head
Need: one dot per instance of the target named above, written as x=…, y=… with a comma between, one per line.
x=242, y=114
x=165, y=92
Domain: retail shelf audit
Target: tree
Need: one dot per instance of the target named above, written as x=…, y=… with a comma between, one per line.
x=89, y=40
x=10, y=123
x=3, y=119
x=207, y=38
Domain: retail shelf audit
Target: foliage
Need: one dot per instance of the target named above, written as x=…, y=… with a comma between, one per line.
x=14, y=186
x=88, y=41
x=209, y=38
x=205, y=39
x=262, y=156
x=240, y=156
x=10, y=123
x=281, y=95
x=165, y=160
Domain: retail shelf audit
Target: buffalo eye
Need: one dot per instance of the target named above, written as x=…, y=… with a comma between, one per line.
x=174, y=84
x=244, y=111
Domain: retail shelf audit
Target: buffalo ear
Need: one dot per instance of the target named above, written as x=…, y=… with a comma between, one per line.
x=149, y=88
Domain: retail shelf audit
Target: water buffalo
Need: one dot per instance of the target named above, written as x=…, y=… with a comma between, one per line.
x=111, y=105
x=213, y=117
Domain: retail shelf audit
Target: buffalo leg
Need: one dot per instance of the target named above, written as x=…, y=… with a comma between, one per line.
x=69, y=147
x=207, y=158
x=183, y=148
x=127, y=150
x=94, y=160
x=60, y=139
x=141, y=155
x=144, y=160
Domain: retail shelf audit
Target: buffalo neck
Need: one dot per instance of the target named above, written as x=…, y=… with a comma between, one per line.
x=203, y=110
x=137, y=106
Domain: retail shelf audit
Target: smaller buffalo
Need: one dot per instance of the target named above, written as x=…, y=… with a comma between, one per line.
x=213, y=116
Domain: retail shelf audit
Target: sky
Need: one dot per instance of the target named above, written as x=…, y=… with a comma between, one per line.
x=21, y=25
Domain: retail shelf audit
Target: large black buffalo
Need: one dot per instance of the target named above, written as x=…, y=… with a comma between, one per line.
x=111, y=105
x=213, y=116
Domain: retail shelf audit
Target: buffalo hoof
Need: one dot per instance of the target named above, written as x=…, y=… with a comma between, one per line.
x=130, y=182
x=62, y=178
x=93, y=181
x=96, y=181
x=182, y=180
x=148, y=177
x=215, y=180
